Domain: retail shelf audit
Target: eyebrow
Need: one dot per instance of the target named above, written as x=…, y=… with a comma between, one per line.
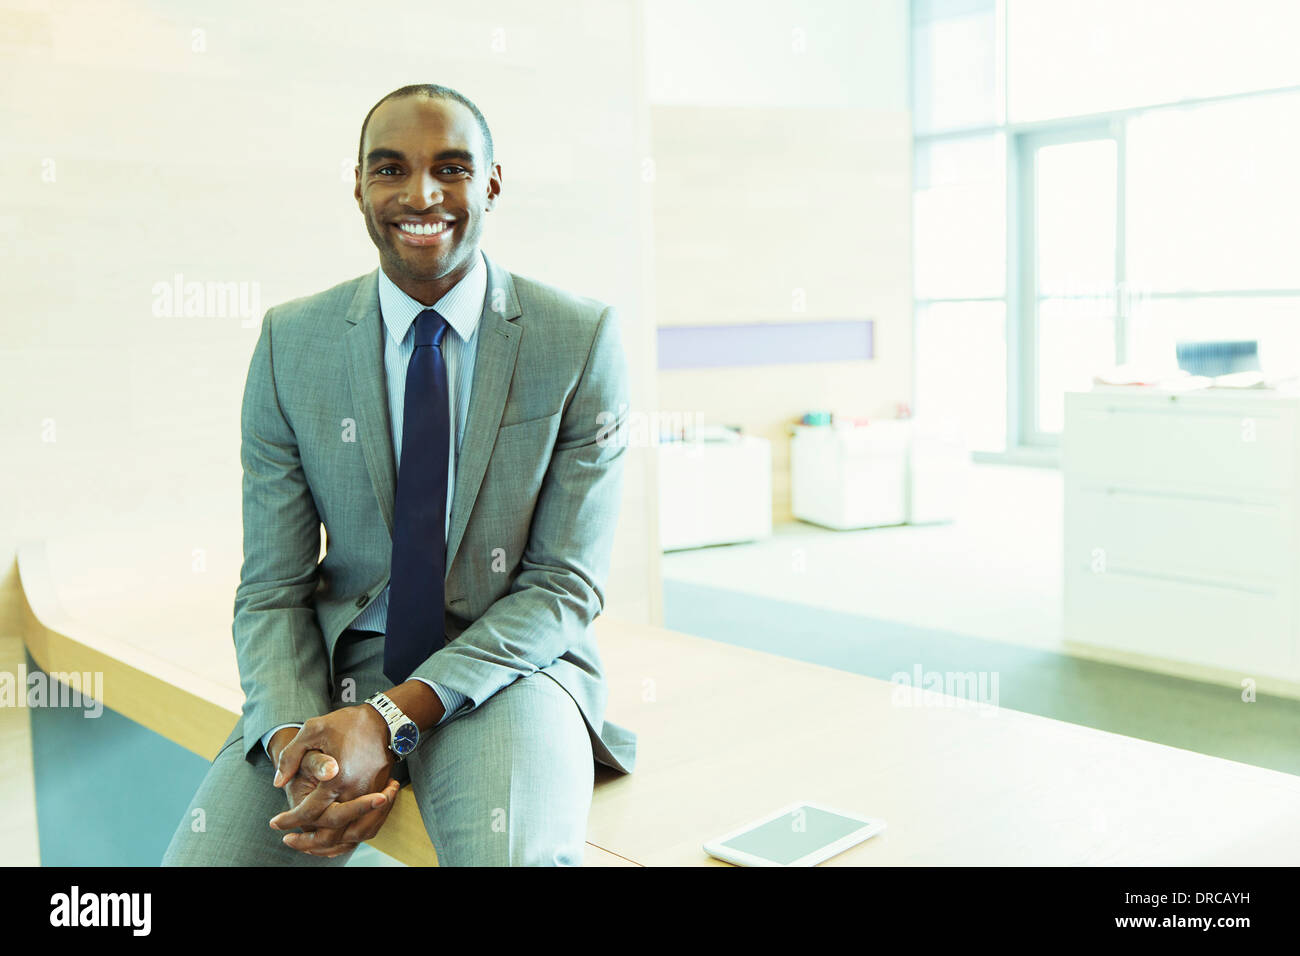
x=463, y=155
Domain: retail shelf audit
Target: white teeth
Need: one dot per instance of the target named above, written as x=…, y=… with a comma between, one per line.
x=422, y=229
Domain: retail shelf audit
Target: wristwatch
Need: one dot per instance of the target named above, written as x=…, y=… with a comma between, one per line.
x=403, y=735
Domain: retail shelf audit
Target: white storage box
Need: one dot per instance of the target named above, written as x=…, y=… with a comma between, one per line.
x=714, y=492
x=889, y=472
x=850, y=477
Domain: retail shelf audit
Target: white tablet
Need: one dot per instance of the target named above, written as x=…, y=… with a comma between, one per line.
x=802, y=834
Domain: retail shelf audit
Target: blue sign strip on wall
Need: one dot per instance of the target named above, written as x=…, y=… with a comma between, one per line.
x=765, y=343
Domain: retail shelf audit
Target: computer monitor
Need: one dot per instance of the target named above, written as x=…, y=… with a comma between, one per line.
x=1218, y=358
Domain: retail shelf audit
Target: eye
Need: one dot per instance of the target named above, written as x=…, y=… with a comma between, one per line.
x=382, y=168
x=456, y=169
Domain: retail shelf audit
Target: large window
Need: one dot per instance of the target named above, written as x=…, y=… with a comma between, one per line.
x=1095, y=182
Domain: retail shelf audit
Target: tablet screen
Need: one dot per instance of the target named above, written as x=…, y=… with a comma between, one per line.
x=788, y=837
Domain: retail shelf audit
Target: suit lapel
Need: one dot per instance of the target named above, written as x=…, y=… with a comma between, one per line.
x=494, y=365
x=365, y=346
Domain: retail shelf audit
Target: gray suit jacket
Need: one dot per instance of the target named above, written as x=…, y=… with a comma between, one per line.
x=537, y=495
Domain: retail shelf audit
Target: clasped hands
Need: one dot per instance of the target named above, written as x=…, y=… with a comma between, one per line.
x=337, y=773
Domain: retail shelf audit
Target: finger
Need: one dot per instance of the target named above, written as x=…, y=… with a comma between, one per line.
x=306, y=812
x=327, y=843
x=339, y=815
x=318, y=810
x=296, y=792
x=368, y=827
x=361, y=830
x=331, y=853
x=291, y=756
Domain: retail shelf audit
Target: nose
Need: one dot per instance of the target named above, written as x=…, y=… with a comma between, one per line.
x=423, y=192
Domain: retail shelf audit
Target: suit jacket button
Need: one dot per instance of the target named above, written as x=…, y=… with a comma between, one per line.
x=363, y=600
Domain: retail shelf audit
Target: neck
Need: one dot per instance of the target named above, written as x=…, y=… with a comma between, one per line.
x=429, y=291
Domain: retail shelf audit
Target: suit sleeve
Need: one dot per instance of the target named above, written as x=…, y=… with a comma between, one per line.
x=283, y=668
x=560, y=588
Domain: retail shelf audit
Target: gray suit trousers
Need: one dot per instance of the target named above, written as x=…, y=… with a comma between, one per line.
x=508, y=783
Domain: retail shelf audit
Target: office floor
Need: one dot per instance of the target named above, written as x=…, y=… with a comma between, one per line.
x=18, y=843
x=996, y=573
x=981, y=594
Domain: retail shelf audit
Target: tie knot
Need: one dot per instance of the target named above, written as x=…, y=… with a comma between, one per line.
x=430, y=327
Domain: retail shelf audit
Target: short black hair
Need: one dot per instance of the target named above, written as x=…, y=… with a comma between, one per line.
x=434, y=92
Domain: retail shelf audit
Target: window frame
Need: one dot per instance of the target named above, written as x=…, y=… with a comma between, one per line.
x=1025, y=444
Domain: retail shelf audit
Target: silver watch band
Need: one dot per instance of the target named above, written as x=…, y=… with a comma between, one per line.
x=392, y=714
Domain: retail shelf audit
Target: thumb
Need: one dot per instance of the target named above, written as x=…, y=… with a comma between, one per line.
x=320, y=765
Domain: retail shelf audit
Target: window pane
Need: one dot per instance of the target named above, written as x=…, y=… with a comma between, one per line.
x=1075, y=221
x=959, y=218
x=954, y=65
x=1212, y=197
x=1070, y=57
x=1076, y=340
x=1273, y=321
x=961, y=370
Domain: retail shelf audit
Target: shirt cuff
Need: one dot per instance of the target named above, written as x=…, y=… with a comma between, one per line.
x=266, y=737
x=452, y=700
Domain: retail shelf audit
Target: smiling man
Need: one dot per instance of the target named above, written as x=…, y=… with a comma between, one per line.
x=440, y=417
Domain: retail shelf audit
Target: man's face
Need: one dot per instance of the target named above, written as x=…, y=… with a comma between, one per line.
x=421, y=169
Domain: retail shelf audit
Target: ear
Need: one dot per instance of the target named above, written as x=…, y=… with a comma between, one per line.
x=493, y=188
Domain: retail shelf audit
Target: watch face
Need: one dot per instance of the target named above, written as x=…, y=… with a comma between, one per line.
x=405, y=738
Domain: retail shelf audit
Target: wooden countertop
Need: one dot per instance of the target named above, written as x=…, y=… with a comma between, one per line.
x=726, y=734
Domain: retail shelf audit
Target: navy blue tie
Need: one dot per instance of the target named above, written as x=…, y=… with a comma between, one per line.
x=415, y=588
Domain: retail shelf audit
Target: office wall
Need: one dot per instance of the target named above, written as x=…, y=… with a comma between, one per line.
x=145, y=141
x=782, y=195
x=771, y=53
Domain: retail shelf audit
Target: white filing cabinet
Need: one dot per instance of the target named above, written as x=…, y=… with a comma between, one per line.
x=1182, y=533
x=714, y=492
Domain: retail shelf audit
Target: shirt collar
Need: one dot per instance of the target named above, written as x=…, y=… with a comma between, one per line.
x=461, y=306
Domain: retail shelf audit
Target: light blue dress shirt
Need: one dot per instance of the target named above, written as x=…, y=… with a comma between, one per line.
x=461, y=307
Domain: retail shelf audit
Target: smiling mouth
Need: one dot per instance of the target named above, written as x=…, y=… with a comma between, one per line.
x=424, y=234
